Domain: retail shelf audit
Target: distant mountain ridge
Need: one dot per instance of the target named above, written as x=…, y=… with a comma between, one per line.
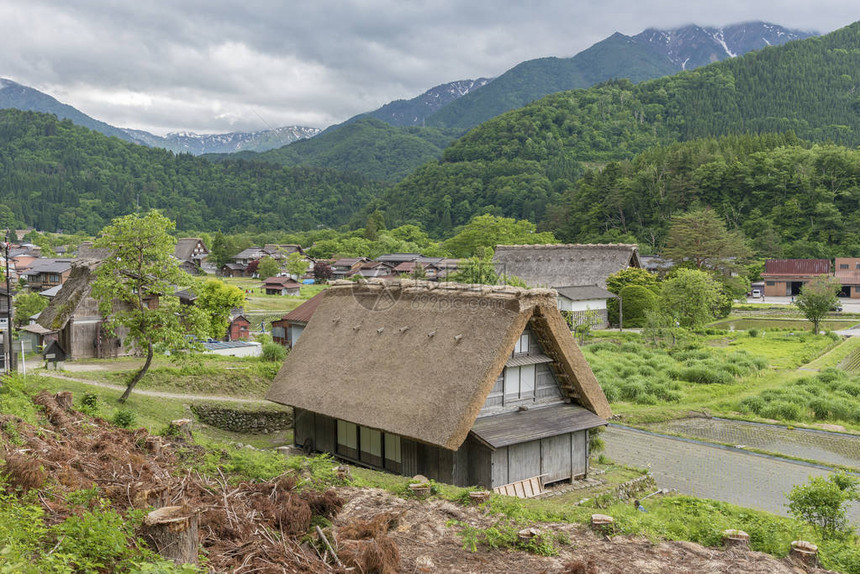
x=650, y=54
x=198, y=144
x=693, y=46
x=413, y=112
x=18, y=96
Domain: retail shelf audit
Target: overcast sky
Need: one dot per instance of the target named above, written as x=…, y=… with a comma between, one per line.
x=217, y=66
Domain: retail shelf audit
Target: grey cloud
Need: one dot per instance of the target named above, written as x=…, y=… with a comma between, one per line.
x=209, y=65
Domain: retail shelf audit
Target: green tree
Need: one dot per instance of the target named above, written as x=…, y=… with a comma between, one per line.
x=637, y=301
x=821, y=502
x=220, y=252
x=701, y=238
x=26, y=305
x=135, y=286
x=621, y=279
x=817, y=298
x=296, y=264
x=216, y=299
x=481, y=235
x=268, y=267
x=476, y=270
x=691, y=297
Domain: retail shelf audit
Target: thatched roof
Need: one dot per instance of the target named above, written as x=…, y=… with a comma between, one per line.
x=87, y=251
x=577, y=264
x=55, y=316
x=418, y=359
x=185, y=246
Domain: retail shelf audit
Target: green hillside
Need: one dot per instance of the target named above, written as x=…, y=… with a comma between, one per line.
x=791, y=198
x=55, y=175
x=523, y=161
x=615, y=57
x=367, y=146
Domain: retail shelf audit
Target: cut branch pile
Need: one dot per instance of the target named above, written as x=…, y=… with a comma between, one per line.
x=249, y=527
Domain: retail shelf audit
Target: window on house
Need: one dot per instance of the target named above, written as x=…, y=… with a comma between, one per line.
x=522, y=345
x=843, y=266
x=519, y=383
x=393, y=462
x=857, y=266
x=770, y=283
x=370, y=442
x=347, y=439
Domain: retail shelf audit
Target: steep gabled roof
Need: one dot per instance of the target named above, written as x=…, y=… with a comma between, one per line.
x=281, y=282
x=575, y=264
x=66, y=301
x=184, y=250
x=419, y=359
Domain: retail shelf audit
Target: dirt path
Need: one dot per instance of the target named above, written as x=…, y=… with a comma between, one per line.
x=158, y=394
x=709, y=471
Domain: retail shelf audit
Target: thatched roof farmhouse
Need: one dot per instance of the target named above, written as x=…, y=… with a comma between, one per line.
x=464, y=384
x=73, y=318
x=559, y=265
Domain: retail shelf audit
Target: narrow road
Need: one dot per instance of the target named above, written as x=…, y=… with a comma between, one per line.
x=709, y=471
x=158, y=394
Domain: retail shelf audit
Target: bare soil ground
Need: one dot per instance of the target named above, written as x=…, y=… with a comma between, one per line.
x=428, y=544
x=260, y=527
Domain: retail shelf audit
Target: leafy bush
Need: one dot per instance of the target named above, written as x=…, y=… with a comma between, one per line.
x=124, y=419
x=90, y=404
x=821, y=502
x=752, y=332
x=273, y=352
x=637, y=300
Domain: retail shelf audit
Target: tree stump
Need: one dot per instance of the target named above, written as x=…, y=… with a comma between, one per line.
x=64, y=400
x=180, y=428
x=420, y=490
x=153, y=445
x=602, y=523
x=733, y=538
x=527, y=535
x=172, y=532
x=479, y=496
x=806, y=553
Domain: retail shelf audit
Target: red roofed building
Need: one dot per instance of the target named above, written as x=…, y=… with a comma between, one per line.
x=785, y=277
x=287, y=329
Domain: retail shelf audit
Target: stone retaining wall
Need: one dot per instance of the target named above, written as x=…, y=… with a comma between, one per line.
x=243, y=421
x=636, y=487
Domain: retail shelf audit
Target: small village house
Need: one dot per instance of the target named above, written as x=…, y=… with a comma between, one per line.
x=465, y=385
x=847, y=272
x=347, y=266
x=287, y=329
x=282, y=286
x=45, y=273
x=785, y=277
x=191, y=252
x=74, y=321
x=585, y=304
x=239, y=328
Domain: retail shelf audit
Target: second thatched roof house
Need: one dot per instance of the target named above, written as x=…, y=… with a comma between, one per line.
x=469, y=385
x=565, y=265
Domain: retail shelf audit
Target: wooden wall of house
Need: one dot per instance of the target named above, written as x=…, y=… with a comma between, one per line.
x=562, y=457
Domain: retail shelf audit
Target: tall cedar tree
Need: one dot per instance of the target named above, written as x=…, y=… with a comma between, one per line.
x=135, y=287
x=701, y=237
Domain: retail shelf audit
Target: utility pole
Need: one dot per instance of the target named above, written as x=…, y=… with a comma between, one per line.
x=7, y=335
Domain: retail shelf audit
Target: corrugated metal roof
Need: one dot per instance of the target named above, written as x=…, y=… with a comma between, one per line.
x=797, y=267
x=304, y=312
x=219, y=345
x=536, y=423
x=523, y=360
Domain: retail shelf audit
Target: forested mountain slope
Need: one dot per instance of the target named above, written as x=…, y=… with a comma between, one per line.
x=367, y=146
x=791, y=198
x=55, y=175
x=519, y=163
